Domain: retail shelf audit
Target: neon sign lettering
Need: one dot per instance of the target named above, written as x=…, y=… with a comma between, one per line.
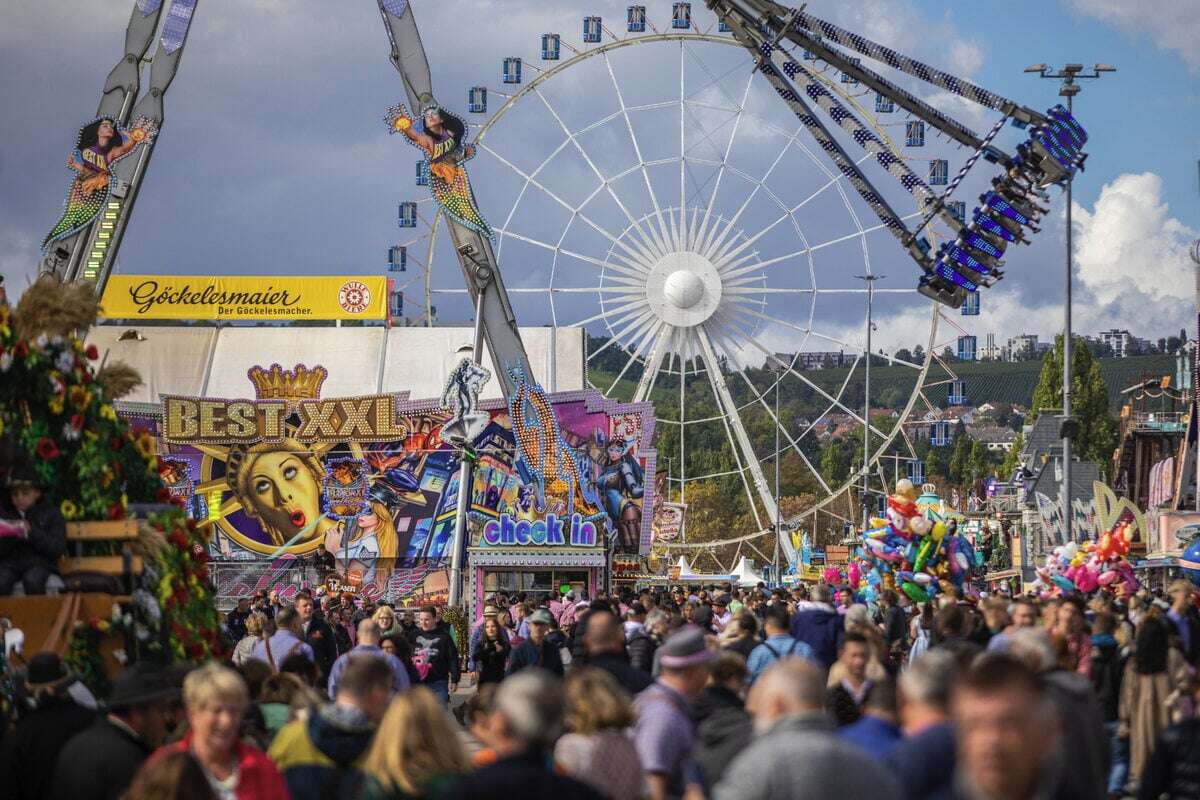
x=553, y=531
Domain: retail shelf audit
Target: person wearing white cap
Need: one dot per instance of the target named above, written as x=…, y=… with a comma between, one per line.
x=665, y=734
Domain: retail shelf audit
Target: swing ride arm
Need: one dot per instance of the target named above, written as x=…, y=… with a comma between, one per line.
x=116, y=101
x=481, y=271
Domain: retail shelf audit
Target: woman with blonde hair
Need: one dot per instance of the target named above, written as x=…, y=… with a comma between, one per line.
x=858, y=620
x=279, y=484
x=243, y=650
x=416, y=751
x=597, y=749
x=216, y=698
x=385, y=618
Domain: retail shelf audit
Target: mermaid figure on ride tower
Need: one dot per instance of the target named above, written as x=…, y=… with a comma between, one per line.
x=100, y=144
x=441, y=136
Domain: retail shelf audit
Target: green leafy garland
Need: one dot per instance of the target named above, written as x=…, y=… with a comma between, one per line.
x=182, y=584
x=53, y=408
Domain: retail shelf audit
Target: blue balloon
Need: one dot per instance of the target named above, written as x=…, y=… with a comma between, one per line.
x=1190, y=562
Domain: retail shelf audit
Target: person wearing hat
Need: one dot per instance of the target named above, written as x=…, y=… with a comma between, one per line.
x=490, y=611
x=99, y=763
x=30, y=553
x=665, y=734
x=722, y=615
x=536, y=651
x=29, y=752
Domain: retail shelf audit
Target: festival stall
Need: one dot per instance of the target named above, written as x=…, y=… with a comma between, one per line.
x=744, y=576
x=558, y=492
x=298, y=489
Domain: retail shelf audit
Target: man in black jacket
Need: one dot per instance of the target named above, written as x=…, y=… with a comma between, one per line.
x=538, y=650
x=36, y=537
x=1108, y=668
x=433, y=646
x=317, y=634
x=99, y=763
x=605, y=645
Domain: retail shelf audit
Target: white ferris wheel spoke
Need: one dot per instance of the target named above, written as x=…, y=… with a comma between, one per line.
x=738, y=438
x=637, y=150
x=857, y=416
x=653, y=364
x=645, y=244
x=682, y=150
x=643, y=337
x=779, y=424
x=616, y=311
x=556, y=198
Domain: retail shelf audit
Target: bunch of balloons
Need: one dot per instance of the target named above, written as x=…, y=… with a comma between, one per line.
x=919, y=553
x=1097, y=564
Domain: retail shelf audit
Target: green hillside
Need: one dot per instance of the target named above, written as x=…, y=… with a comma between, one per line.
x=891, y=386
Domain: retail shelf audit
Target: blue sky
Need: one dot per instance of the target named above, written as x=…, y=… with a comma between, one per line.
x=273, y=160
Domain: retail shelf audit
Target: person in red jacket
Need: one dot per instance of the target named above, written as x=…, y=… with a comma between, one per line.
x=216, y=698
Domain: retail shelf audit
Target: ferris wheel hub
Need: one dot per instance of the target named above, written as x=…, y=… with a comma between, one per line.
x=684, y=289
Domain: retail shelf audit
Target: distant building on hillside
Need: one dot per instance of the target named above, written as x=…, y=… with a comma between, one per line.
x=991, y=351
x=817, y=360
x=1122, y=342
x=994, y=437
x=1022, y=347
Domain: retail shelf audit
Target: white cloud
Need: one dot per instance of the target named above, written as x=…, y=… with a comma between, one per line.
x=19, y=259
x=1132, y=270
x=1132, y=256
x=1170, y=24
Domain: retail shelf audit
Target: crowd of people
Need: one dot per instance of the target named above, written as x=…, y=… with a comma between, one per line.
x=684, y=693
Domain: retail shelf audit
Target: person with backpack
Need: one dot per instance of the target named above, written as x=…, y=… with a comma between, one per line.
x=779, y=643
x=285, y=642
x=319, y=753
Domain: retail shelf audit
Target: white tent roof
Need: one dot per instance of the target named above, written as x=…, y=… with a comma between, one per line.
x=684, y=567
x=744, y=576
x=212, y=362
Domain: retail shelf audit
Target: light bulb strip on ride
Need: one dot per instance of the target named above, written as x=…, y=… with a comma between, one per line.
x=858, y=130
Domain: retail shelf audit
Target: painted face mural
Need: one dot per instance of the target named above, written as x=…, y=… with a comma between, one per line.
x=280, y=486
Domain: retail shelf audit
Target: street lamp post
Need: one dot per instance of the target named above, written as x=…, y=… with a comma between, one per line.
x=1196, y=370
x=1069, y=76
x=870, y=281
x=779, y=373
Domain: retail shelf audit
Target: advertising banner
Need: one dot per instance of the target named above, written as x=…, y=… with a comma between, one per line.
x=239, y=297
x=369, y=481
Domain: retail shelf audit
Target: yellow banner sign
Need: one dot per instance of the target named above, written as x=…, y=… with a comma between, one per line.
x=235, y=297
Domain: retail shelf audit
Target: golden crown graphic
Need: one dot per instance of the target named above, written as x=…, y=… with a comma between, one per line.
x=291, y=385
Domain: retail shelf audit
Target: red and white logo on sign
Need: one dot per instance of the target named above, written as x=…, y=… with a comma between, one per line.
x=354, y=297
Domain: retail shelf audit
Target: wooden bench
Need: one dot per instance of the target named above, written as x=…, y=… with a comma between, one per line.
x=48, y=621
x=124, y=566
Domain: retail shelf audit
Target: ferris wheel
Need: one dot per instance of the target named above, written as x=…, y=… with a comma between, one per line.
x=647, y=185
